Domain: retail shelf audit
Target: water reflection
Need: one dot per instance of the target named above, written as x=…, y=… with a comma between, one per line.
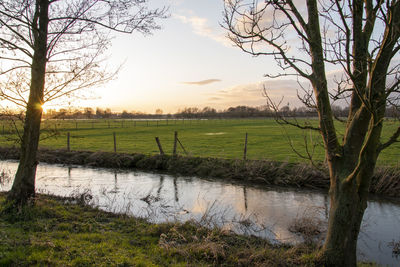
x=166, y=198
x=176, y=189
x=245, y=198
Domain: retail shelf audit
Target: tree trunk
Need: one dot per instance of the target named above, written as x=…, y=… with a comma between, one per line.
x=24, y=183
x=346, y=212
x=348, y=201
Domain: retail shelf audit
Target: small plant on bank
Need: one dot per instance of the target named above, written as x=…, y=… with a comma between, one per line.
x=5, y=178
x=395, y=245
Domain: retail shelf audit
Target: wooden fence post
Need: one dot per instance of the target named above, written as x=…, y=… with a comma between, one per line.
x=115, y=142
x=68, y=142
x=184, y=150
x=245, y=148
x=159, y=146
x=175, y=142
x=76, y=125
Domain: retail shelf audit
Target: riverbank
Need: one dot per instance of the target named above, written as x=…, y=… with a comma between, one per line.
x=65, y=232
x=385, y=182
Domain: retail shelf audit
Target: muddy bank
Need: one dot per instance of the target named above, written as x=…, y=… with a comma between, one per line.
x=386, y=180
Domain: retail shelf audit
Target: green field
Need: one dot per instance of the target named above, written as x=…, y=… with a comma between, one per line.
x=206, y=138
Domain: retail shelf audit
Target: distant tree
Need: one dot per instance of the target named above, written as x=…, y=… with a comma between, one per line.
x=99, y=113
x=208, y=112
x=50, y=49
x=361, y=38
x=126, y=115
x=61, y=114
x=285, y=109
x=77, y=114
x=189, y=112
x=159, y=111
x=89, y=112
x=107, y=113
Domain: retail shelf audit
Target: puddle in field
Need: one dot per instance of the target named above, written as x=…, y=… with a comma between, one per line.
x=220, y=133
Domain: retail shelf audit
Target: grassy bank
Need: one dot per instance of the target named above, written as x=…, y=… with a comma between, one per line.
x=386, y=180
x=200, y=138
x=60, y=232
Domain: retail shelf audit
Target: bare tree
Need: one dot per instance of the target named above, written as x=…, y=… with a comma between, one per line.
x=52, y=48
x=359, y=39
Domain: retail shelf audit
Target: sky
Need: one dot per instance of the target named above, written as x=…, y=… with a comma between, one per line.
x=188, y=63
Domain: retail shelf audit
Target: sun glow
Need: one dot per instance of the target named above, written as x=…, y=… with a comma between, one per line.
x=44, y=107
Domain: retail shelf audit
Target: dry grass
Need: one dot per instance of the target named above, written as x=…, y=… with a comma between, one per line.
x=386, y=181
x=309, y=226
x=219, y=247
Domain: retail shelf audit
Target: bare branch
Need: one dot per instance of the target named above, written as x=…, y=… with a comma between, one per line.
x=393, y=139
x=281, y=118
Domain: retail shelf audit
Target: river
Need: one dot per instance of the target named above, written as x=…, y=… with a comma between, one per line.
x=259, y=210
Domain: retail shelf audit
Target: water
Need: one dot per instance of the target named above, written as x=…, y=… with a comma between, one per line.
x=262, y=211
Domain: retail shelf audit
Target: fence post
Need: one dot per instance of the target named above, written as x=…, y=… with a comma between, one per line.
x=4, y=130
x=245, y=148
x=159, y=146
x=184, y=150
x=68, y=142
x=175, y=142
x=76, y=125
x=134, y=124
x=115, y=142
x=147, y=123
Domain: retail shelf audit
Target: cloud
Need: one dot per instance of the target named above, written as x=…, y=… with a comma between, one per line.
x=202, y=26
x=278, y=90
x=252, y=94
x=215, y=98
x=203, y=82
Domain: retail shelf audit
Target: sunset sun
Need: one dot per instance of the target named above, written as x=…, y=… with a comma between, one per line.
x=45, y=107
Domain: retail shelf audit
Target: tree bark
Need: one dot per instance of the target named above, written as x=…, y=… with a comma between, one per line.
x=24, y=183
x=346, y=212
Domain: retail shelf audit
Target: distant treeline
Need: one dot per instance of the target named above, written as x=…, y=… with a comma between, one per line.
x=196, y=113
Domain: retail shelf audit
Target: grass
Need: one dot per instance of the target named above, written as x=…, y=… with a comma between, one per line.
x=58, y=232
x=202, y=138
x=66, y=232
